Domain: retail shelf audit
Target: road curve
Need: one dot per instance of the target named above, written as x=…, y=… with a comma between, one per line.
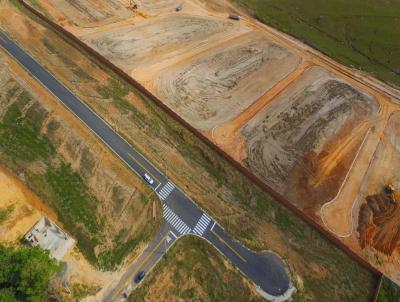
x=181, y=215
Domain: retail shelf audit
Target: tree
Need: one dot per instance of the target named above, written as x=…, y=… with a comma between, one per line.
x=25, y=274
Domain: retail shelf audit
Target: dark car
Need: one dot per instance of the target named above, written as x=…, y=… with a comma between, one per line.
x=139, y=277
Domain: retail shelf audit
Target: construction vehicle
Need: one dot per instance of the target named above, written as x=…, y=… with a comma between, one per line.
x=179, y=7
x=389, y=188
x=234, y=17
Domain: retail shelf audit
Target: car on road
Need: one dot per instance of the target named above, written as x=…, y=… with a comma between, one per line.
x=148, y=178
x=139, y=277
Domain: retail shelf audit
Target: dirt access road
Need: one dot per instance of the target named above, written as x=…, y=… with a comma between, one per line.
x=304, y=124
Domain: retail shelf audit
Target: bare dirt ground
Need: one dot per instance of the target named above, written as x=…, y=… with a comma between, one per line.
x=378, y=216
x=158, y=40
x=297, y=128
x=224, y=192
x=86, y=13
x=225, y=80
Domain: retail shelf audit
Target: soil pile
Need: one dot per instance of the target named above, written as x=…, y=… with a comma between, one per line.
x=378, y=222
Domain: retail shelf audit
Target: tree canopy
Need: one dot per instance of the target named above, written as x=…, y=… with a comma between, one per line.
x=25, y=274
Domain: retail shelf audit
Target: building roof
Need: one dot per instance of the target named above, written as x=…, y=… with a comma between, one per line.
x=47, y=235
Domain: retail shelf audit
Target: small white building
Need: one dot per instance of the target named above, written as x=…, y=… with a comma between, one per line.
x=47, y=235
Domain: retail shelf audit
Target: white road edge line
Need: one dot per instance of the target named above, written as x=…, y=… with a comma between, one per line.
x=173, y=234
x=213, y=225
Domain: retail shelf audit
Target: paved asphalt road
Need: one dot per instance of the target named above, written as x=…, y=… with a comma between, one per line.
x=181, y=215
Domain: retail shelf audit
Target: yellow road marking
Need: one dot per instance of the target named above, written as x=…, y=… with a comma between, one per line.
x=136, y=161
x=2, y=39
x=228, y=245
x=118, y=291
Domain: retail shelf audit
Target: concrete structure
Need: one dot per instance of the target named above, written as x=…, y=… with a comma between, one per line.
x=50, y=237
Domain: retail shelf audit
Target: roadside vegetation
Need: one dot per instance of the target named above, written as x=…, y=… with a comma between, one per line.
x=27, y=148
x=193, y=270
x=320, y=270
x=358, y=33
x=25, y=274
x=81, y=291
x=389, y=291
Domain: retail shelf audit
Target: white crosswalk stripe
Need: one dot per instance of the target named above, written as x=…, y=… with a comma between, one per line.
x=166, y=190
x=175, y=221
x=202, y=225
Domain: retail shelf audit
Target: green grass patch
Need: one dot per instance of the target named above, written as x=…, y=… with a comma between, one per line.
x=389, y=292
x=21, y=139
x=6, y=213
x=77, y=203
x=110, y=259
x=359, y=33
x=81, y=291
x=198, y=274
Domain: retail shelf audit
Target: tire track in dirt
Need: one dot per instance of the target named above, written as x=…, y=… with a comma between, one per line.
x=226, y=135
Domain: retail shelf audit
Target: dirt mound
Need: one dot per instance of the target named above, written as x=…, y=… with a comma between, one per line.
x=378, y=224
x=303, y=130
x=215, y=87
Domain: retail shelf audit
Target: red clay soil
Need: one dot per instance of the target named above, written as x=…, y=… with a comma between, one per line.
x=379, y=223
x=312, y=182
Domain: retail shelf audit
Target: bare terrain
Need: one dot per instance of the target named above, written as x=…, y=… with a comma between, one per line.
x=224, y=81
x=293, y=143
x=154, y=41
x=265, y=66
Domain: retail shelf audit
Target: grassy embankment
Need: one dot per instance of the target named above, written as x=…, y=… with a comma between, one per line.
x=389, y=292
x=320, y=270
x=194, y=271
x=22, y=144
x=360, y=33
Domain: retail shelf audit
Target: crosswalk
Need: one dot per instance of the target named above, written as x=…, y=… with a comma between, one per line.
x=202, y=225
x=175, y=221
x=166, y=190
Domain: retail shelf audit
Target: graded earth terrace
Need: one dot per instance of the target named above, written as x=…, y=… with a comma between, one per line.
x=312, y=129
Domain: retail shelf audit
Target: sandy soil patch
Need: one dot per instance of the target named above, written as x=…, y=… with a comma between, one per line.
x=85, y=13
x=215, y=86
x=157, y=6
x=157, y=40
x=298, y=142
x=27, y=208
